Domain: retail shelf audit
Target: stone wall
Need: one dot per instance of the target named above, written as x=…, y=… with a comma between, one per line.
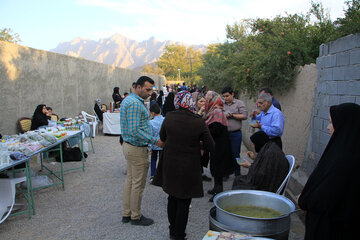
x=296, y=105
x=338, y=82
x=69, y=85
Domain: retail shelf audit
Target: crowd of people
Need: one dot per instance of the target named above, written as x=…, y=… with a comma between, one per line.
x=188, y=129
x=202, y=127
x=193, y=129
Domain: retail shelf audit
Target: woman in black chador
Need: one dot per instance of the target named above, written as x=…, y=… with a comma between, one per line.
x=169, y=103
x=117, y=97
x=159, y=99
x=331, y=195
x=39, y=117
x=269, y=168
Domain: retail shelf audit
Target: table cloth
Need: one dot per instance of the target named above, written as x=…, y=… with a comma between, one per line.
x=111, y=123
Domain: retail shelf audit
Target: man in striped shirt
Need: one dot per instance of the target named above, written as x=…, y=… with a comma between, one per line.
x=136, y=133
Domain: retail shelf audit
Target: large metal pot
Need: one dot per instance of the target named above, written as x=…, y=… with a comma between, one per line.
x=255, y=226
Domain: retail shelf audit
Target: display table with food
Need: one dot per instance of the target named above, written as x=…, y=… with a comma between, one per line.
x=19, y=149
x=111, y=123
x=44, y=140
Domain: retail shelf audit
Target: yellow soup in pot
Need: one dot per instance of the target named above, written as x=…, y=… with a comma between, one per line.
x=253, y=211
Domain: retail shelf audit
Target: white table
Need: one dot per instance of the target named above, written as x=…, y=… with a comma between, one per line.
x=111, y=123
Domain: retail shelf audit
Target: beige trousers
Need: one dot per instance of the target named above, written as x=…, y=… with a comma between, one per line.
x=138, y=162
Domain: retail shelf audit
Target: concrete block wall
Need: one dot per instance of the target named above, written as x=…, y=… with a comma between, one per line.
x=338, y=81
x=69, y=85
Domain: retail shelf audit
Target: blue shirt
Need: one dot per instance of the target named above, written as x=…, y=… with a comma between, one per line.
x=272, y=122
x=134, y=122
x=156, y=123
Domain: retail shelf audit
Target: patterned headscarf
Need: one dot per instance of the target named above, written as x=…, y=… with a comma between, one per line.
x=184, y=100
x=214, y=109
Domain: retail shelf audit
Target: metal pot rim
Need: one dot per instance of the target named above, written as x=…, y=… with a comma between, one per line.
x=254, y=192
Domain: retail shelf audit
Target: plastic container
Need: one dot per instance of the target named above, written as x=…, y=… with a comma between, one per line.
x=85, y=146
x=4, y=154
x=111, y=107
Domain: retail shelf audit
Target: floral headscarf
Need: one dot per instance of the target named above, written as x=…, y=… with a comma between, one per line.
x=214, y=109
x=184, y=100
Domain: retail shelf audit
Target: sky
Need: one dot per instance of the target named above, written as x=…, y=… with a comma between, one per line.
x=43, y=24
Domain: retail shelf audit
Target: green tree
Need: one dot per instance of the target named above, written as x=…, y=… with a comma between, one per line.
x=7, y=35
x=149, y=68
x=194, y=63
x=171, y=60
x=175, y=57
x=322, y=30
x=350, y=24
x=267, y=52
x=216, y=69
x=238, y=31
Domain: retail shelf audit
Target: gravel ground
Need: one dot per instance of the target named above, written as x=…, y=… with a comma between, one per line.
x=90, y=207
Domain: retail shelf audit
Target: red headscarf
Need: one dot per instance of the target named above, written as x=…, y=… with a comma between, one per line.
x=214, y=109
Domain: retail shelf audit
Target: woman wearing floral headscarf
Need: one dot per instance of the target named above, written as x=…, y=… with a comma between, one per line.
x=179, y=170
x=221, y=164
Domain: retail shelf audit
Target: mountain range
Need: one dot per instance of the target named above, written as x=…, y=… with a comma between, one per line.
x=118, y=50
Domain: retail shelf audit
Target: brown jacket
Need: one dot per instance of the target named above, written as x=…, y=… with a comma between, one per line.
x=179, y=170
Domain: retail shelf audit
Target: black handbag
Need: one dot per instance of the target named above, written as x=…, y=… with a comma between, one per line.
x=71, y=155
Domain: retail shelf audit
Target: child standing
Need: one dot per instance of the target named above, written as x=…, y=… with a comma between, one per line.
x=155, y=123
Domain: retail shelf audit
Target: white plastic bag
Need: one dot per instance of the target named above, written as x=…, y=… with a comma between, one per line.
x=21, y=173
x=39, y=181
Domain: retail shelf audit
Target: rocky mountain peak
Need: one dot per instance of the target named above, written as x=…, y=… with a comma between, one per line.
x=117, y=50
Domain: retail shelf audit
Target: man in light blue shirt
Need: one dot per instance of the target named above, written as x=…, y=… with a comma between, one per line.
x=273, y=100
x=270, y=119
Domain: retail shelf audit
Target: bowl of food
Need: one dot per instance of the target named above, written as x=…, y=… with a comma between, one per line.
x=240, y=160
x=253, y=123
